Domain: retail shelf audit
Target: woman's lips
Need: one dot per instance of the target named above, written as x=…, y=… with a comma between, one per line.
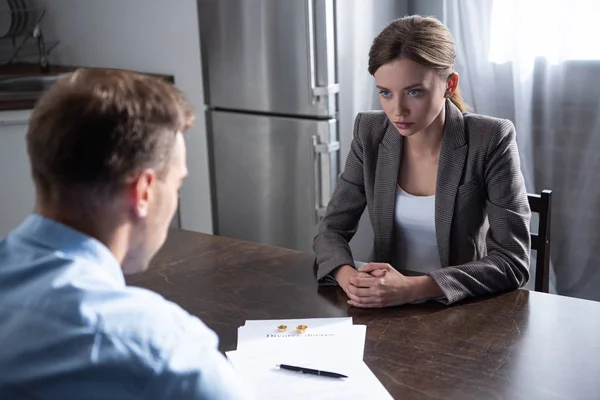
x=403, y=125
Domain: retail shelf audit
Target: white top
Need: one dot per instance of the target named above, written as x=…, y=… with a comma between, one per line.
x=414, y=223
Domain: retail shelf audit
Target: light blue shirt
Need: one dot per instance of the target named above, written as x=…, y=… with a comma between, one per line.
x=70, y=328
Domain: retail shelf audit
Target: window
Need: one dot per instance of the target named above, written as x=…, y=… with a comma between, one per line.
x=558, y=30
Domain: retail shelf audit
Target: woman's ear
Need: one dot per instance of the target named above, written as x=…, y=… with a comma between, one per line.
x=451, y=84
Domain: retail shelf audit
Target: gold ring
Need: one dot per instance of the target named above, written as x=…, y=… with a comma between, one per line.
x=282, y=328
x=301, y=328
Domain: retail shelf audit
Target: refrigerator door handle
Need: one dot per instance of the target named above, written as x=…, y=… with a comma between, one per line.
x=315, y=91
x=322, y=173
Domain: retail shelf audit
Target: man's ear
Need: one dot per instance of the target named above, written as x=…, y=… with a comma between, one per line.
x=140, y=192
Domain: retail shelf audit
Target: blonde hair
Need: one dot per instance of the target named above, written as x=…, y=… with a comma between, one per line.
x=424, y=40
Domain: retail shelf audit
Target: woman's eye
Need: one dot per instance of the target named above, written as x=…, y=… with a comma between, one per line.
x=385, y=93
x=415, y=92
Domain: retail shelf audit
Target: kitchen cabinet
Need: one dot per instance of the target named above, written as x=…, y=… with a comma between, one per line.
x=17, y=192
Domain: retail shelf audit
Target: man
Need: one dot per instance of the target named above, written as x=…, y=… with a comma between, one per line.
x=108, y=158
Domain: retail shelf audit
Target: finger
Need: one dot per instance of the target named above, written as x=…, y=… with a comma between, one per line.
x=365, y=281
x=363, y=275
x=364, y=305
x=373, y=266
x=364, y=300
x=378, y=273
x=362, y=292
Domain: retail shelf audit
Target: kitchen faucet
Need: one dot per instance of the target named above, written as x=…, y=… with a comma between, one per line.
x=44, y=62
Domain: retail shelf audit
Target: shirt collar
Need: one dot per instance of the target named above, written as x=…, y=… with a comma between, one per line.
x=71, y=243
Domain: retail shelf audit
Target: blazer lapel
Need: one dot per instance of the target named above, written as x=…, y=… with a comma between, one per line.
x=450, y=170
x=384, y=199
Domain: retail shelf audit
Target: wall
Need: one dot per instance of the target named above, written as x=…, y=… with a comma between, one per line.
x=151, y=36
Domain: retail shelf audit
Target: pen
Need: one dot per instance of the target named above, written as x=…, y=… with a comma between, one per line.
x=311, y=371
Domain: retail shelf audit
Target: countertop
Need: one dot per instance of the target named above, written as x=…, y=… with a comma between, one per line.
x=27, y=101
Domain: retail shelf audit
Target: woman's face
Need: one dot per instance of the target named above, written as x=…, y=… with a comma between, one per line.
x=411, y=94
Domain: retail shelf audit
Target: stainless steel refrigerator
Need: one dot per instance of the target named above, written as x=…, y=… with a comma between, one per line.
x=284, y=80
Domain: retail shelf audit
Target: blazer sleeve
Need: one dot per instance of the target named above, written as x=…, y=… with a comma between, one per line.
x=506, y=265
x=343, y=214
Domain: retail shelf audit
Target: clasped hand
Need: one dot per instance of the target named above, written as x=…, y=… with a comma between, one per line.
x=378, y=285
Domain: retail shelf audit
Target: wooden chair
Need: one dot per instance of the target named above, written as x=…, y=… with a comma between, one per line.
x=541, y=204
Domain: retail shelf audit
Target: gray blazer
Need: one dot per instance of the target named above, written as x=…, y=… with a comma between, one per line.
x=481, y=210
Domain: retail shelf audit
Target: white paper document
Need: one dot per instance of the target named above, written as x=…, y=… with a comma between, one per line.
x=292, y=323
x=328, y=344
x=347, y=339
x=260, y=373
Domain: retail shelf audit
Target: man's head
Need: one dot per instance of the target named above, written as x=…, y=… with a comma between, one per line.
x=108, y=157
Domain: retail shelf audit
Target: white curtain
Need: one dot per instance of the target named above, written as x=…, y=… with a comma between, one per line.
x=537, y=62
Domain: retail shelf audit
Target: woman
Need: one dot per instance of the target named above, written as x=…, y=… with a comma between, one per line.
x=443, y=187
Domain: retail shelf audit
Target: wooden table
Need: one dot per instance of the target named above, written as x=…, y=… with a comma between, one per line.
x=518, y=345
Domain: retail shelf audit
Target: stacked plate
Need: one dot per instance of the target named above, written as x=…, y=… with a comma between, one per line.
x=14, y=17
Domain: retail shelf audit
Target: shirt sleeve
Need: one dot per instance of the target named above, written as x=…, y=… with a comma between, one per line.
x=191, y=365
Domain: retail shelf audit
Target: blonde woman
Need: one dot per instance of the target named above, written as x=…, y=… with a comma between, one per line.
x=443, y=187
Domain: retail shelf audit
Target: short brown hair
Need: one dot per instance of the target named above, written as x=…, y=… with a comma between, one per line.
x=424, y=40
x=96, y=128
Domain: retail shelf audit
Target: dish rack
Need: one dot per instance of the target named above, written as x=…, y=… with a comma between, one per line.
x=17, y=27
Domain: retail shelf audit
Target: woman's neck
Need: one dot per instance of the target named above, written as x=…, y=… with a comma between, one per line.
x=428, y=141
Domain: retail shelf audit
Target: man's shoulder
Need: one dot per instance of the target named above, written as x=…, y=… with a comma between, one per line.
x=143, y=318
x=180, y=350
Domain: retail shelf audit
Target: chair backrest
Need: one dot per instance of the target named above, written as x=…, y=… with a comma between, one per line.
x=541, y=204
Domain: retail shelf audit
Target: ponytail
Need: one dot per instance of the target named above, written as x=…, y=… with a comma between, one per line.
x=458, y=101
